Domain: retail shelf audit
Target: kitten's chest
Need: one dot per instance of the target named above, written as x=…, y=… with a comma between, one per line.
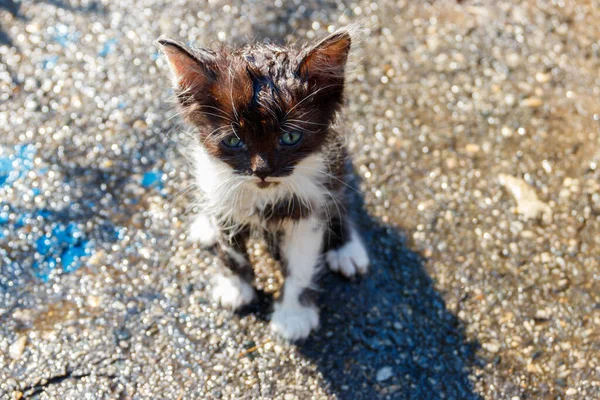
x=265, y=212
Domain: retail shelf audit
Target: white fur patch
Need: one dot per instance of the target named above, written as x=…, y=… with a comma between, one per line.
x=294, y=323
x=203, y=230
x=232, y=291
x=301, y=248
x=351, y=258
x=236, y=198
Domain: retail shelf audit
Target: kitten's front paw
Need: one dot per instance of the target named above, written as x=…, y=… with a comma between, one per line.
x=294, y=323
x=350, y=259
x=203, y=230
x=232, y=291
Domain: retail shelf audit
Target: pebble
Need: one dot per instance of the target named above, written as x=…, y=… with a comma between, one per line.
x=219, y=367
x=506, y=131
x=528, y=203
x=472, y=148
x=492, y=347
x=543, y=77
x=532, y=102
x=384, y=374
x=16, y=349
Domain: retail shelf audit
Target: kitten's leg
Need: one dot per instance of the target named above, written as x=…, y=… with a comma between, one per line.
x=203, y=230
x=301, y=247
x=346, y=252
x=232, y=288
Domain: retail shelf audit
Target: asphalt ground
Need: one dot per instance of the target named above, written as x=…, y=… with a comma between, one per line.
x=474, y=130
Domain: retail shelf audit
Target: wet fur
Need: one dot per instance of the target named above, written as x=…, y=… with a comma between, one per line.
x=293, y=193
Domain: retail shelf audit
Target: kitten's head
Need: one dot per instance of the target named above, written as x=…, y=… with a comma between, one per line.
x=261, y=109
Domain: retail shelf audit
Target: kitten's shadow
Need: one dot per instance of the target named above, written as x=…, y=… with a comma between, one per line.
x=389, y=334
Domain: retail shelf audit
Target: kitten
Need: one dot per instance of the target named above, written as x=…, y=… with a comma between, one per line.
x=267, y=159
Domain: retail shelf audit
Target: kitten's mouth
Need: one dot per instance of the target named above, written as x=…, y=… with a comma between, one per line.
x=264, y=184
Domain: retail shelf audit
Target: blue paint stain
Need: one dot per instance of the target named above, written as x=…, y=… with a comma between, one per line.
x=3, y=217
x=44, y=213
x=152, y=178
x=66, y=242
x=43, y=245
x=21, y=220
x=120, y=233
x=62, y=36
x=71, y=257
x=108, y=47
x=49, y=62
x=42, y=269
x=64, y=245
x=15, y=162
x=5, y=169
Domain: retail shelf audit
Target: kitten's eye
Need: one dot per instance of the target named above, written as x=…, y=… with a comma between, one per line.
x=233, y=142
x=290, y=138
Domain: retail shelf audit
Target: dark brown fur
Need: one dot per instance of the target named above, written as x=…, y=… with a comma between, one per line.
x=257, y=93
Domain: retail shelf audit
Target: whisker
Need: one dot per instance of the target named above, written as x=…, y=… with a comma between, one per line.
x=305, y=122
x=181, y=193
x=308, y=96
x=217, y=116
x=237, y=117
x=327, y=175
x=294, y=126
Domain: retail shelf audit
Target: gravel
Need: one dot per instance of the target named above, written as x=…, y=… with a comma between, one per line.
x=456, y=109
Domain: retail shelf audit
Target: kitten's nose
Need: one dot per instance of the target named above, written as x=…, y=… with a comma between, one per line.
x=260, y=166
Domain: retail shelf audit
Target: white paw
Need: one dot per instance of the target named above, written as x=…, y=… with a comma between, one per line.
x=232, y=291
x=294, y=323
x=350, y=259
x=203, y=230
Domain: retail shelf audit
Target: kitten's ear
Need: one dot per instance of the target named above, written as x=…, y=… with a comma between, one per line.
x=192, y=70
x=326, y=60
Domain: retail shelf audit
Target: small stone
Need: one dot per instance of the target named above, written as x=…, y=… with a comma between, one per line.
x=513, y=60
x=17, y=395
x=93, y=301
x=16, y=349
x=532, y=102
x=472, y=148
x=492, y=347
x=543, y=314
x=528, y=203
x=527, y=234
x=546, y=257
x=140, y=124
x=533, y=368
x=543, y=77
x=219, y=367
x=571, y=392
x=289, y=396
x=384, y=374
x=506, y=131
